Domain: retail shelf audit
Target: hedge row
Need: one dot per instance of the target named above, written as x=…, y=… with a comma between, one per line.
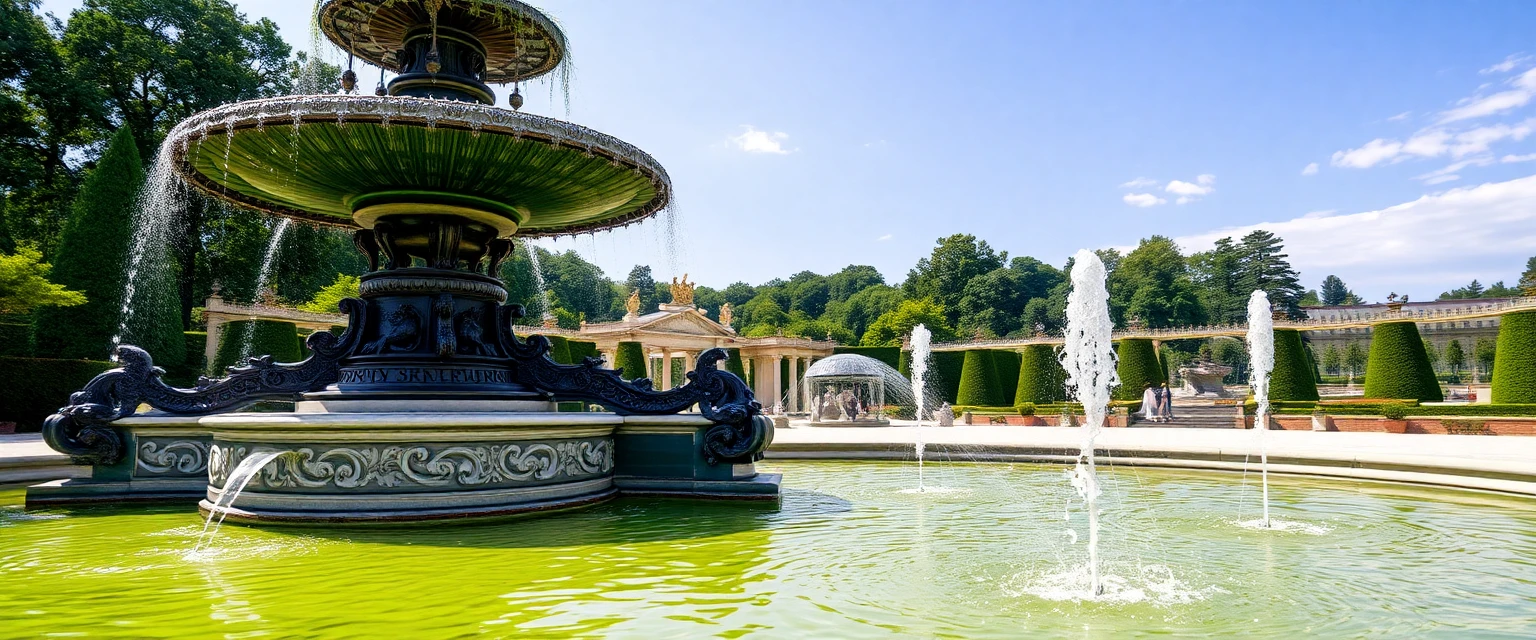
x=271, y=338
x=1293, y=378
x=1050, y=409
x=16, y=339
x=581, y=350
x=1138, y=366
x=1399, y=365
x=891, y=356
x=1006, y=361
x=1471, y=410
x=559, y=349
x=978, y=380
x=40, y=386
x=733, y=363
x=1514, y=364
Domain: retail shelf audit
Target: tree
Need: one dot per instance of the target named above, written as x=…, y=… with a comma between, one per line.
x=1433, y=353
x=1333, y=360
x=1455, y=356
x=857, y=312
x=1333, y=292
x=1310, y=299
x=851, y=280
x=1356, y=358
x=808, y=292
x=1527, y=282
x=24, y=284
x=1473, y=290
x=93, y=257
x=1152, y=283
x=892, y=327
x=1218, y=274
x=943, y=275
x=1484, y=353
x=328, y=299
x=640, y=279
x=1266, y=268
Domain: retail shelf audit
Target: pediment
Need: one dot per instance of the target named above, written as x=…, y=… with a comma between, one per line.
x=688, y=322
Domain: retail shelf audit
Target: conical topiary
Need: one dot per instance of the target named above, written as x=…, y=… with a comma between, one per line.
x=978, y=380
x=271, y=338
x=1514, y=363
x=1007, y=364
x=1138, y=365
x=630, y=357
x=92, y=257
x=1293, y=377
x=1041, y=378
x=1398, y=367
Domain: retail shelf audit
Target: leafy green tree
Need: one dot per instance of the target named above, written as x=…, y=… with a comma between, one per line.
x=892, y=327
x=1433, y=353
x=1152, y=283
x=808, y=292
x=578, y=285
x=1499, y=290
x=640, y=279
x=1333, y=360
x=1455, y=356
x=310, y=258
x=861, y=309
x=1527, y=282
x=763, y=311
x=943, y=275
x=1473, y=290
x=24, y=284
x=328, y=299
x=994, y=303
x=1484, y=353
x=1355, y=358
x=1219, y=275
x=93, y=257
x=1333, y=292
x=1310, y=299
x=851, y=280
x=1266, y=268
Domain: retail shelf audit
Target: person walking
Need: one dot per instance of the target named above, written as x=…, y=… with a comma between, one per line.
x=1166, y=399
x=1151, y=409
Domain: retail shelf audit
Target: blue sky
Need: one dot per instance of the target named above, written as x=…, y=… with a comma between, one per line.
x=813, y=135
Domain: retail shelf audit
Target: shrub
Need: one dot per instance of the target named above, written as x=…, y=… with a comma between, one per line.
x=1138, y=366
x=1006, y=362
x=270, y=338
x=1294, y=378
x=48, y=384
x=891, y=356
x=559, y=349
x=1399, y=366
x=978, y=380
x=630, y=358
x=733, y=363
x=92, y=257
x=1514, y=363
x=16, y=339
x=1026, y=408
x=945, y=369
x=1394, y=411
x=1041, y=378
x=196, y=363
x=581, y=350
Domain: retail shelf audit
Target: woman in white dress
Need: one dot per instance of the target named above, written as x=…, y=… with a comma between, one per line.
x=1151, y=408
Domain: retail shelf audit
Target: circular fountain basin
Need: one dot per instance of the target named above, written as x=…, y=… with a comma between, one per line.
x=348, y=160
x=851, y=552
x=407, y=467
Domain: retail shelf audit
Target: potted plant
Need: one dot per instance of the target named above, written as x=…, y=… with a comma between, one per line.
x=1394, y=416
x=1117, y=417
x=1027, y=415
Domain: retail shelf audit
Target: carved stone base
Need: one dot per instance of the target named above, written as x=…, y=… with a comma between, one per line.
x=166, y=461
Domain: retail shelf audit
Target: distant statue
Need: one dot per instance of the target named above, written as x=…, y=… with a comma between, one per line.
x=632, y=305
x=828, y=406
x=944, y=415
x=682, y=292
x=726, y=314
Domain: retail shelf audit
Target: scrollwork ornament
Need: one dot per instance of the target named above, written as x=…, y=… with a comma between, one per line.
x=182, y=456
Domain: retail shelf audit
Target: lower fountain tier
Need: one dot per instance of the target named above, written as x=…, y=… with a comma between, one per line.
x=410, y=466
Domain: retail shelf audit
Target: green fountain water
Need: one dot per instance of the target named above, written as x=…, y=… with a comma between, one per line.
x=848, y=555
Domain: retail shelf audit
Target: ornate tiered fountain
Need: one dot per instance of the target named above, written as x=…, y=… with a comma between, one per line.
x=429, y=405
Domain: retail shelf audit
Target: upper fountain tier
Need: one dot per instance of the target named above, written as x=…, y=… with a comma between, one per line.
x=349, y=160
x=447, y=48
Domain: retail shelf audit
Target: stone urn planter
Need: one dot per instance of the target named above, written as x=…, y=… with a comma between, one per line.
x=1394, y=426
x=1031, y=421
x=1393, y=418
x=966, y=418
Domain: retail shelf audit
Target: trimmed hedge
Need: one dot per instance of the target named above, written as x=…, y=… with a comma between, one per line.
x=1294, y=378
x=559, y=349
x=1514, y=364
x=630, y=358
x=581, y=350
x=17, y=339
x=1138, y=365
x=1041, y=378
x=978, y=380
x=1470, y=410
x=272, y=338
x=891, y=356
x=196, y=363
x=1399, y=365
x=1043, y=410
x=46, y=387
x=1007, y=364
x=733, y=363
x=944, y=371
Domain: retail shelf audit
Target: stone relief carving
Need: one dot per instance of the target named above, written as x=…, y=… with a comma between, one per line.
x=178, y=456
x=421, y=466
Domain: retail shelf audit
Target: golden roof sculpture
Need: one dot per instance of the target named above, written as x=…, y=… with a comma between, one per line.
x=682, y=292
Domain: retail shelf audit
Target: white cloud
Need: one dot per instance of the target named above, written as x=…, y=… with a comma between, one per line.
x=1400, y=117
x=1508, y=65
x=1523, y=89
x=1520, y=158
x=1138, y=183
x=754, y=141
x=1143, y=200
x=1431, y=143
x=1188, y=192
x=1422, y=241
x=1309, y=170
x=883, y=238
x=1449, y=172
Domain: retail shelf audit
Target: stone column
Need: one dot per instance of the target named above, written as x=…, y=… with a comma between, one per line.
x=776, y=390
x=793, y=404
x=211, y=344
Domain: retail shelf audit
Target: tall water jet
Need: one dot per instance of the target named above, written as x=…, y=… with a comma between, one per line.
x=1261, y=355
x=922, y=346
x=262, y=276
x=1088, y=355
x=157, y=206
